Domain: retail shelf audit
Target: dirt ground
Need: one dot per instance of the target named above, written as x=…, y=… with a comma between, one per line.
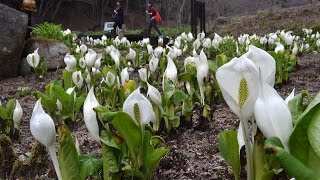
x=194, y=148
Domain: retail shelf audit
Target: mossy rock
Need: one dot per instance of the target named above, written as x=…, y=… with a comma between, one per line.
x=7, y=156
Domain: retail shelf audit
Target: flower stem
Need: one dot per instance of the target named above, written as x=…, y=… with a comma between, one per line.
x=248, y=146
x=52, y=152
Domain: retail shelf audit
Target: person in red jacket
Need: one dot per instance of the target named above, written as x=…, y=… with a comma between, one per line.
x=153, y=23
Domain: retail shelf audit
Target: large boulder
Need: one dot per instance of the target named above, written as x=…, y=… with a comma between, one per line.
x=52, y=50
x=13, y=29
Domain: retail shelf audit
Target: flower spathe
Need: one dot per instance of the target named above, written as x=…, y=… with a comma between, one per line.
x=153, y=64
x=43, y=129
x=290, y=97
x=154, y=94
x=17, y=115
x=143, y=74
x=124, y=75
x=33, y=59
x=110, y=79
x=90, y=58
x=139, y=108
x=272, y=114
x=202, y=72
x=238, y=80
x=77, y=79
x=70, y=61
x=171, y=70
x=90, y=116
x=265, y=62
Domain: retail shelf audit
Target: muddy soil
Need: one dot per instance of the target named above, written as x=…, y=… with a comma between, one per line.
x=194, y=148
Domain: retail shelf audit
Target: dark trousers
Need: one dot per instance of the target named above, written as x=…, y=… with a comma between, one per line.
x=117, y=24
x=153, y=24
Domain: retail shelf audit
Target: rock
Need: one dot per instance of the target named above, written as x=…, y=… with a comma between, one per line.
x=25, y=68
x=13, y=31
x=52, y=50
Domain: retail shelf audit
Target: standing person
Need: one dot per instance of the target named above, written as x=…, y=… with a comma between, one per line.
x=153, y=23
x=118, y=17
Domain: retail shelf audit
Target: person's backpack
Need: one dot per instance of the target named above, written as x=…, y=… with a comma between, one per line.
x=158, y=18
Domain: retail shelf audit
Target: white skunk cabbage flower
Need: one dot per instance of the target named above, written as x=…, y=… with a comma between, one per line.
x=70, y=61
x=131, y=55
x=154, y=94
x=90, y=58
x=77, y=49
x=17, y=115
x=43, y=129
x=115, y=55
x=97, y=64
x=295, y=49
x=83, y=48
x=196, y=44
x=207, y=43
x=153, y=64
x=139, y=108
x=77, y=79
x=318, y=43
x=150, y=49
x=104, y=38
x=124, y=75
x=171, y=70
x=33, y=59
x=201, y=36
x=288, y=38
x=272, y=114
x=265, y=62
x=82, y=63
x=90, y=116
x=279, y=48
x=290, y=97
x=66, y=32
x=110, y=79
x=158, y=51
x=143, y=74
x=190, y=37
x=238, y=81
x=202, y=72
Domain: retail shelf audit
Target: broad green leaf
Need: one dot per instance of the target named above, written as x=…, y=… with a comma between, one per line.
x=68, y=155
x=314, y=132
x=67, y=79
x=110, y=163
x=10, y=108
x=292, y=165
x=169, y=88
x=89, y=165
x=3, y=113
x=67, y=100
x=299, y=143
x=179, y=96
x=79, y=101
x=110, y=140
x=296, y=107
x=229, y=150
x=151, y=155
x=130, y=132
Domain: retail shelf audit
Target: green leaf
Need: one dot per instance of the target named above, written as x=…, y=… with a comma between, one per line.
x=151, y=154
x=67, y=79
x=68, y=155
x=299, y=143
x=89, y=165
x=10, y=108
x=169, y=88
x=110, y=163
x=179, y=96
x=297, y=105
x=292, y=165
x=110, y=140
x=314, y=132
x=130, y=132
x=229, y=149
